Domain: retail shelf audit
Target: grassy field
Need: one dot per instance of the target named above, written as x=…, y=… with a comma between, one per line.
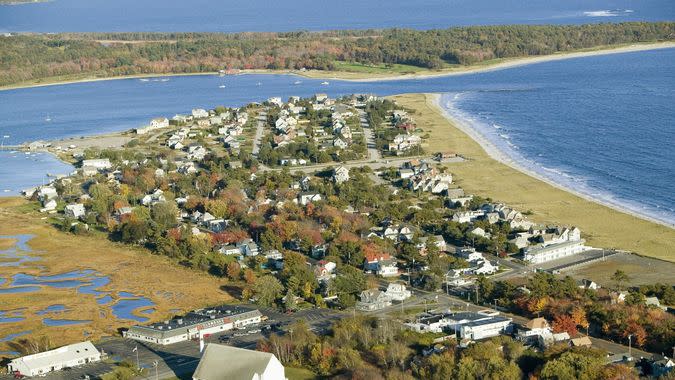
x=137, y=271
x=299, y=374
x=600, y=225
x=640, y=270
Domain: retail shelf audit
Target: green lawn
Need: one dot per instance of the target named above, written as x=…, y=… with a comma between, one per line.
x=299, y=374
x=356, y=67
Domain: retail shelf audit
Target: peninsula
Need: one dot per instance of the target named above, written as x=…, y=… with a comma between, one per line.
x=42, y=59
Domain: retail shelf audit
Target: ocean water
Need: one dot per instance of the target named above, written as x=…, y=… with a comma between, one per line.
x=269, y=15
x=602, y=125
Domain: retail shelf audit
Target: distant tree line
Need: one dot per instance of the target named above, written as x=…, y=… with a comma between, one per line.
x=33, y=57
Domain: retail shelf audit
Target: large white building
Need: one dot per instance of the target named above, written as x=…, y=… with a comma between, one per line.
x=568, y=242
x=198, y=322
x=221, y=362
x=476, y=326
x=64, y=357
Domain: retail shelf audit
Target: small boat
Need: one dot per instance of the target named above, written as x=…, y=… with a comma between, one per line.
x=297, y=82
x=7, y=190
x=258, y=84
x=145, y=80
x=221, y=86
x=48, y=118
x=325, y=83
x=164, y=80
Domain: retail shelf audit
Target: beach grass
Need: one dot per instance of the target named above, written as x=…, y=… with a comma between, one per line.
x=601, y=226
x=7, y=243
x=170, y=286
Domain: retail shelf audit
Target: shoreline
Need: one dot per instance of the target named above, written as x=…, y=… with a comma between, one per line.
x=502, y=157
x=366, y=77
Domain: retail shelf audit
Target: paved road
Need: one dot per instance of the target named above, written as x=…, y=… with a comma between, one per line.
x=375, y=165
x=373, y=153
x=259, y=130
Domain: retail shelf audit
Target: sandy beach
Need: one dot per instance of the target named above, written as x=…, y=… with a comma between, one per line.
x=368, y=77
x=502, y=157
x=488, y=173
x=509, y=63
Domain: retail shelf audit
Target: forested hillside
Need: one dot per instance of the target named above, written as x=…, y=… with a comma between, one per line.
x=32, y=57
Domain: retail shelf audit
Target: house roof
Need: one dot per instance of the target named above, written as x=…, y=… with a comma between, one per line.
x=227, y=362
x=536, y=323
x=373, y=256
x=582, y=341
x=63, y=354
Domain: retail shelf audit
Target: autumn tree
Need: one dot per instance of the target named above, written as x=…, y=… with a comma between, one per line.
x=267, y=290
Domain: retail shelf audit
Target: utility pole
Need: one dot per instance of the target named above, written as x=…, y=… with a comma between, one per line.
x=630, y=346
x=138, y=363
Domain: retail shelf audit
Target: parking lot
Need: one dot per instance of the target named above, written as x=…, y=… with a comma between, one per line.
x=181, y=359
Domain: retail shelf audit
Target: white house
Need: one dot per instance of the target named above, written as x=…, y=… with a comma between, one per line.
x=535, y=327
x=469, y=254
x=42, y=363
x=199, y=113
x=91, y=167
x=275, y=101
x=373, y=299
x=74, y=210
x=485, y=267
x=48, y=205
x=397, y=292
x=101, y=163
x=307, y=197
x=221, y=362
x=340, y=174
x=467, y=216
x=340, y=143
x=248, y=247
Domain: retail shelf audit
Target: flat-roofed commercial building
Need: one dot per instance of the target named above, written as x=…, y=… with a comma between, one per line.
x=42, y=363
x=202, y=321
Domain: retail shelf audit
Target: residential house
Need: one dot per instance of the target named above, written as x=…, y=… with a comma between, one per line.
x=373, y=299
x=229, y=249
x=75, y=210
x=92, y=167
x=480, y=233
x=340, y=143
x=307, y=197
x=467, y=216
x=404, y=142
x=485, y=267
x=382, y=264
x=536, y=330
x=397, y=292
x=324, y=270
x=340, y=174
x=199, y=113
x=588, y=284
x=469, y=254
x=248, y=247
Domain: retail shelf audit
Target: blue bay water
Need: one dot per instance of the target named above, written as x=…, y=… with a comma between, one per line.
x=602, y=125
x=269, y=15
